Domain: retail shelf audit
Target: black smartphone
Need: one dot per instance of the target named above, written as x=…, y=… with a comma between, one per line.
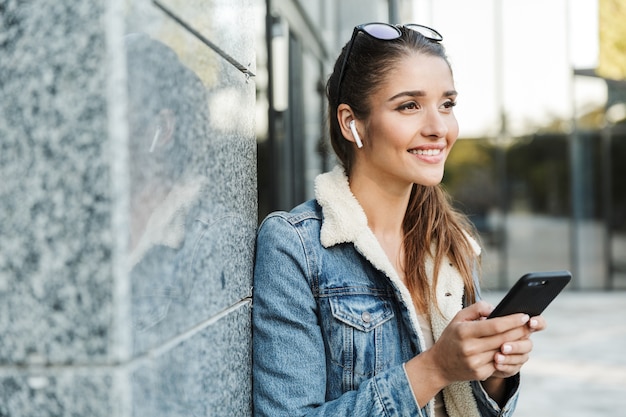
x=532, y=293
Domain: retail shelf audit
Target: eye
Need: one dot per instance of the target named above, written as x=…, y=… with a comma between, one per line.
x=449, y=104
x=411, y=105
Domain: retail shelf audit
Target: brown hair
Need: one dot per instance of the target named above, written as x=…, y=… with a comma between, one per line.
x=431, y=226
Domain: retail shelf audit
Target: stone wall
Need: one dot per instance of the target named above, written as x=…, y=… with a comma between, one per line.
x=127, y=207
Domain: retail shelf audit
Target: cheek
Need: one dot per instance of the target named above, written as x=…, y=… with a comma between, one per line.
x=453, y=131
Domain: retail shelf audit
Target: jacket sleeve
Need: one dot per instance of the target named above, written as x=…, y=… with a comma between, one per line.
x=488, y=407
x=289, y=360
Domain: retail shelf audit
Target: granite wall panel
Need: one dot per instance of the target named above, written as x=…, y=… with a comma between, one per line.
x=172, y=272
x=67, y=392
x=55, y=234
x=192, y=157
x=194, y=377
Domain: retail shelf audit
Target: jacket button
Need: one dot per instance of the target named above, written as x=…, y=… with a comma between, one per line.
x=367, y=317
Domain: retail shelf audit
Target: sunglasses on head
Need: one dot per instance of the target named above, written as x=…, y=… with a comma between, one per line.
x=383, y=32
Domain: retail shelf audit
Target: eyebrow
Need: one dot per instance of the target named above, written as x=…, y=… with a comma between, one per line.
x=420, y=93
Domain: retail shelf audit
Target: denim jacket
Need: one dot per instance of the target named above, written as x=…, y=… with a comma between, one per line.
x=333, y=324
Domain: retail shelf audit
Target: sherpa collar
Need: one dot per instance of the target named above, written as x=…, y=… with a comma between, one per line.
x=345, y=222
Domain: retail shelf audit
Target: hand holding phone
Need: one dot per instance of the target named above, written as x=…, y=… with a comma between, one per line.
x=532, y=293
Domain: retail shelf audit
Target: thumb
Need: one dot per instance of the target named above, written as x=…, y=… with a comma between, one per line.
x=476, y=311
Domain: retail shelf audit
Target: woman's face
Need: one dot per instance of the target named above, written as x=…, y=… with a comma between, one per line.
x=411, y=128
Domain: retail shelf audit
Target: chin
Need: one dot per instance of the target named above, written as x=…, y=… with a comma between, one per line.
x=429, y=181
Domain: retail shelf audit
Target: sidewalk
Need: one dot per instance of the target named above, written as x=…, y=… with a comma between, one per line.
x=578, y=364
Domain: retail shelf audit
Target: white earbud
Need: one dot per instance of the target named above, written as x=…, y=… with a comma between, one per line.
x=357, y=138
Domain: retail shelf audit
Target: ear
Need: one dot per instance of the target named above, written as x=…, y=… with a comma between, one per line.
x=345, y=116
x=165, y=125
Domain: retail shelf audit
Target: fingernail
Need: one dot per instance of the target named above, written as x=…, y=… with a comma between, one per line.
x=499, y=358
x=533, y=323
x=507, y=349
x=525, y=318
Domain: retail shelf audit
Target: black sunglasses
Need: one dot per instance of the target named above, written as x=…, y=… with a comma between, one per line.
x=383, y=32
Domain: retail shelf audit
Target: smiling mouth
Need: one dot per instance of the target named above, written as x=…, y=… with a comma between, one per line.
x=426, y=152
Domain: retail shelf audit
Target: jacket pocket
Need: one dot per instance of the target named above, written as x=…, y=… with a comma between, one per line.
x=363, y=312
x=360, y=328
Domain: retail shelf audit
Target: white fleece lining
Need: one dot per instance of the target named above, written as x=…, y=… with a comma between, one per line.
x=346, y=222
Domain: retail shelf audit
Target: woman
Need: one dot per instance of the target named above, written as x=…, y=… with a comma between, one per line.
x=366, y=298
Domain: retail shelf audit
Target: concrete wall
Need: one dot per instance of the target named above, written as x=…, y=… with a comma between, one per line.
x=127, y=207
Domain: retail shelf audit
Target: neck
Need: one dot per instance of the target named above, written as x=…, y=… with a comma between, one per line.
x=385, y=207
x=384, y=203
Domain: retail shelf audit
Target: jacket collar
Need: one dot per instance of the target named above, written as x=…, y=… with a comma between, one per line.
x=345, y=221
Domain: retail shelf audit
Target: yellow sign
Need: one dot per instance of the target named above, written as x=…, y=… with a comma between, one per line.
x=612, y=60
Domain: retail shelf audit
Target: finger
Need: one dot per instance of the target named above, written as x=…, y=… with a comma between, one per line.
x=523, y=346
x=500, y=325
x=518, y=333
x=537, y=323
x=504, y=341
x=502, y=361
x=505, y=371
x=476, y=311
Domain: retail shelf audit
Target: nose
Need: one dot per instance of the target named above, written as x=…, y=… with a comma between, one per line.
x=435, y=125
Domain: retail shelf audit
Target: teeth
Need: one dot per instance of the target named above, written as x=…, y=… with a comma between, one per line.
x=427, y=152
